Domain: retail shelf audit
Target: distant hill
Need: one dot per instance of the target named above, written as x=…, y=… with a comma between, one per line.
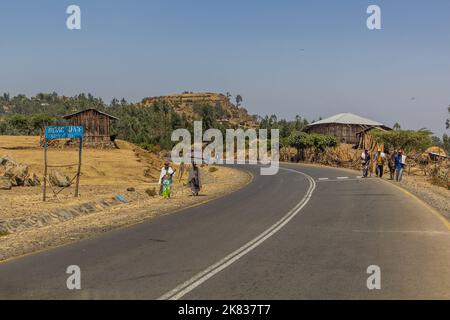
x=190, y=105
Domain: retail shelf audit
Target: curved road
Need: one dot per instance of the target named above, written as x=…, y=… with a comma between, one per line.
x=306, y=233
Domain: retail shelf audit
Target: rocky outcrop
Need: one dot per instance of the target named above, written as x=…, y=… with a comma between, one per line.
x=5, y=183
x=32, y=181
x=7, y=160
x=184, y=104
x=188, y=99
x=17, y=174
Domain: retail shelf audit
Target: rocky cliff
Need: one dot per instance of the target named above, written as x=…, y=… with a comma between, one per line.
x=187, y=103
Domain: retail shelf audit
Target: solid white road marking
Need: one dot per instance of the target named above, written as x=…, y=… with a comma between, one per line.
x=424, y=232
x=210, y=272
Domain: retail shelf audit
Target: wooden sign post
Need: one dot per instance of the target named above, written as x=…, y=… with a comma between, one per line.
x=53, y=133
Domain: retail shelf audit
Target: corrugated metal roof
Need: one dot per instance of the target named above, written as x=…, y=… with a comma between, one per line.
x=348, y=118
x=103, y=113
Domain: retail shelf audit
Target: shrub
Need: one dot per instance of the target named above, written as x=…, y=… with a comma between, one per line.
x=407, y=140
x=318, y=142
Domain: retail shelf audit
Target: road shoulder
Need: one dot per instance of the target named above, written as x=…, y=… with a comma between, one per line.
x=434, y=198
x=227, y=180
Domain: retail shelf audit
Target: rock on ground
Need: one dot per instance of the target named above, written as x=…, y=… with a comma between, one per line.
x=59, y=180
x=32, y=181
x=17, y=174
x=5, y=183
x=7, y=160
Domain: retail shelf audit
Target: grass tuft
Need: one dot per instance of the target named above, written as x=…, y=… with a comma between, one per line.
x=4, y=233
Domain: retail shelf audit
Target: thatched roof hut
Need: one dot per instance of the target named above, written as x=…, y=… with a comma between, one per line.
x=346, y=127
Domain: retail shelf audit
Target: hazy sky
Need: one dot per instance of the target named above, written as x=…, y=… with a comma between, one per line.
x=313, y=58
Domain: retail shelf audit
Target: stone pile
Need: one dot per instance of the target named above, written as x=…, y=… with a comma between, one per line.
x=13, y=174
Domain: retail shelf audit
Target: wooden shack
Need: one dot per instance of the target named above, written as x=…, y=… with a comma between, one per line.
x=345, y=127
x=97, y=126
x=366, y=140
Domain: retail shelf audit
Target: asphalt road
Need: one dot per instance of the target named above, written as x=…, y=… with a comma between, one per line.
x=302, y=234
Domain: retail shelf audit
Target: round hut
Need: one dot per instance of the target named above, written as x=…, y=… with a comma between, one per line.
x=346, y=127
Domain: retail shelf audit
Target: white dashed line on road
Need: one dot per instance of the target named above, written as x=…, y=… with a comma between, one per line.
x=340, y=179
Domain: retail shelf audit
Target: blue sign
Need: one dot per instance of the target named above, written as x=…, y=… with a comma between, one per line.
x=64, y=133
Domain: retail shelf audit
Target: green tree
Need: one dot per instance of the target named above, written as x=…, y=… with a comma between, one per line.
x=20, y=124
x=436, y=141
x=239, y=100
x=39, y=121
x=446, y=143
x=448, y=120
x=114, y=102
x=300, y=141
x=322, y=142
x=407, y=140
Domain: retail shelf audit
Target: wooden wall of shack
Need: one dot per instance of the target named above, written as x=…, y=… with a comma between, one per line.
x=344, y=133
x=97, y=127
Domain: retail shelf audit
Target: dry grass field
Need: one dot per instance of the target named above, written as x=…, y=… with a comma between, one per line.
x=104, y=173
x=100, y=167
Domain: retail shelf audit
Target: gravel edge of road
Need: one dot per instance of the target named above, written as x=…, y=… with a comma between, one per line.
x=429, y=194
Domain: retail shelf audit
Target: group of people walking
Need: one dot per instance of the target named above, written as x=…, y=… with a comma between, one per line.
x=167, y=175
x=396, y=163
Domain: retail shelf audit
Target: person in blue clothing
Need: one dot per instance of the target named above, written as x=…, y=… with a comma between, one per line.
x=399, y=165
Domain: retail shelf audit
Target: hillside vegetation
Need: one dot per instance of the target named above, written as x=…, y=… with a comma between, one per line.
x=148, y=124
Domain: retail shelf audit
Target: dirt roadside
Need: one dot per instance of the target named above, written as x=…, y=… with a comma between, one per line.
x=119, y=187
x=218, y=184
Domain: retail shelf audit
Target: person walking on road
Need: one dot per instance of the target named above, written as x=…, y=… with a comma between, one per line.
x=166, y=180
x=400, y=162
x=380, y=159
x=365, y=157
x=391, y=164
x=194, y=181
